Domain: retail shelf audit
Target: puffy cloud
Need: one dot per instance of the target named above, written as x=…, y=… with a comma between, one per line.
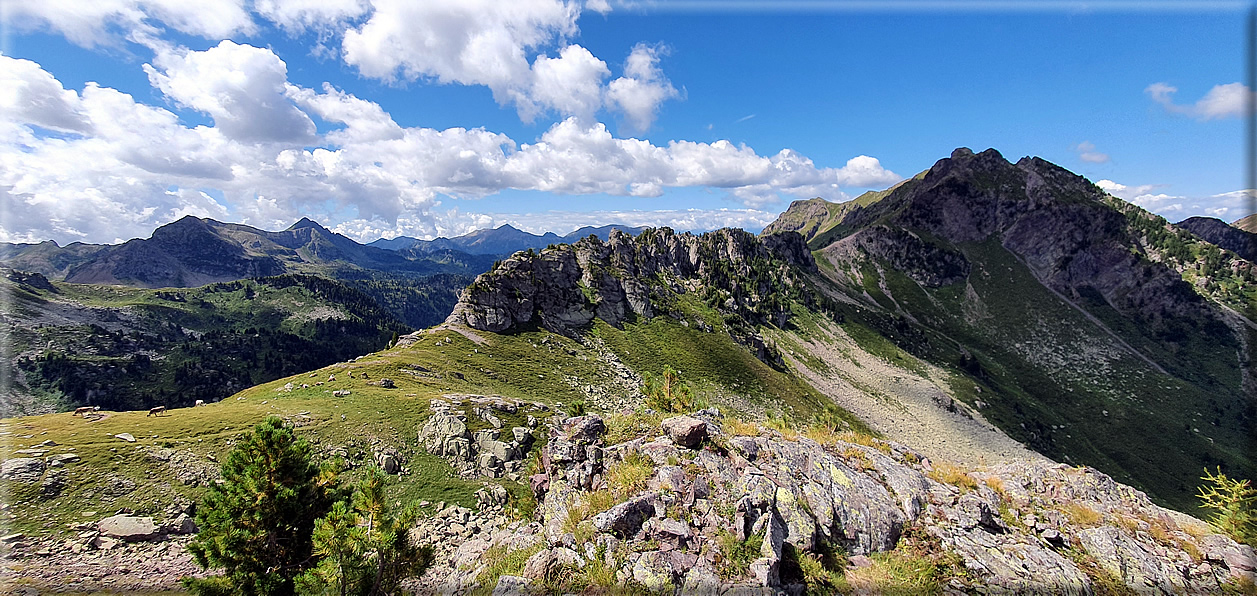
x=33, y=95
x=642, y=88
x=1122, y=191
x=571, y=158
x=300, y=15
x=499, y=45
x=598, y=6
x=364, y=121
x=570, y=84
x=1224, y=101
x=1086, y=151
x=488, y=43
x=119, y=168
x=105, y=22
x=1231, y=100
x=240, y=86
x=471, y=42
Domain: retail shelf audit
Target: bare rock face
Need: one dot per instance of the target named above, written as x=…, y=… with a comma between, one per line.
x=487, y=452
x=565, y=287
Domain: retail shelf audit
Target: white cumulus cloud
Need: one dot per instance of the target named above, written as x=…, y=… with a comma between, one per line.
x=106, y=22
x=96, y=165
x=1231, y=100
x=242, y=87
x=300, y=15
x=1086, y=151
x=470, y=42
x=643, y=87
x=1227, y=206
x=570, y=84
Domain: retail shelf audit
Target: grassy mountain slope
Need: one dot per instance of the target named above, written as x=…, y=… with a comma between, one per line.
x=1248, y=224
x=602, y=369
x=130, y=348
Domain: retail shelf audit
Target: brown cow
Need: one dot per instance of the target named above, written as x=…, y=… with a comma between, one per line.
x=85, y=410
x=156, y=411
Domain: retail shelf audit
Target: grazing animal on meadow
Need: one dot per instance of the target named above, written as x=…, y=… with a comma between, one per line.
x=156, y=411
x=199, y=402
x=85, y=410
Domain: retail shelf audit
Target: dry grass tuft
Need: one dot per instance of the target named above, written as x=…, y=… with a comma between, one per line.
x=954, y=475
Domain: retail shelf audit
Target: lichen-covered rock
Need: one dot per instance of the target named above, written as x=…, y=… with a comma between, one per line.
x=804, y=497
x=625, y=520
x=584, y=430
x=511, y=585
x=441, y=433
x=685, y=431
x=1132, y=561
x=1238, y=558
x=654, y=570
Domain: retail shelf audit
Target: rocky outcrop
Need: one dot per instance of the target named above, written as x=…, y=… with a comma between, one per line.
x=1014, y=527
x=564, y=287
x=806, y=217
x=22, y=469
x=685, y=431
x=493, y=452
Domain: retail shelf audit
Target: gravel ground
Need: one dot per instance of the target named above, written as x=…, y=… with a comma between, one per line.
x=905, y=406
x=53, y=567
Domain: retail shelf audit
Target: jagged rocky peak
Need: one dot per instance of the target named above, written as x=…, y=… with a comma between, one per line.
x=566, y=286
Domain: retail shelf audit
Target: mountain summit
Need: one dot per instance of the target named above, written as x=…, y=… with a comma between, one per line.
x=1093, y=331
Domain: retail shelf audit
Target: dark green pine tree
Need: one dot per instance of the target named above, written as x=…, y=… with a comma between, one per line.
x=257, y=524
x=364, y=547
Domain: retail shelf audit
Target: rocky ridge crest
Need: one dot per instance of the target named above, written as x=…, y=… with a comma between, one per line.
x=1058, y=223
x=564, y=287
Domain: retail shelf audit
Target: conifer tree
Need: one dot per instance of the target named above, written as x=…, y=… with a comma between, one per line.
x=668, y=393
x=257, y=524
x=364, y=548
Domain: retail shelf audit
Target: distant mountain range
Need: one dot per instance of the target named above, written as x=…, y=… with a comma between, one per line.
x=194, y=252
x=504, y=240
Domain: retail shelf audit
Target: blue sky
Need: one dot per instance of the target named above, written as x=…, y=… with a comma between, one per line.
x=384, y=117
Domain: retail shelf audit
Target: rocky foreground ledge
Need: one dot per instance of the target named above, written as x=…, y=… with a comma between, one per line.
x=718, y=506
x=680, y=511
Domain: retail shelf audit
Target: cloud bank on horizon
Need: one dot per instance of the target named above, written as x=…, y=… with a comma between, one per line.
x=227, y=132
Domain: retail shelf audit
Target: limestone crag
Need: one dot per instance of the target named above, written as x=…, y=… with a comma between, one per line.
x=1015, y=527
x=565, y=287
